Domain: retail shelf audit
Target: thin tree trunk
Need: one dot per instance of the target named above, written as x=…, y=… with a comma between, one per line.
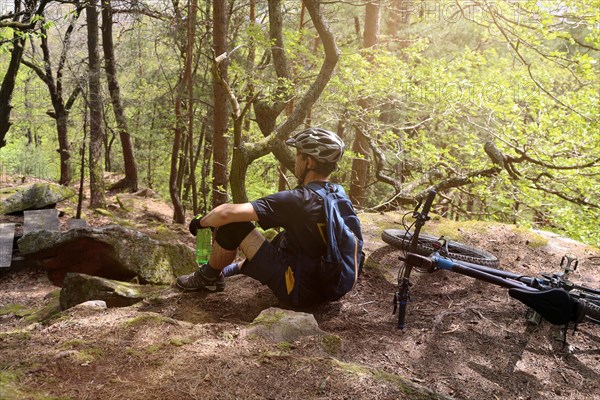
x=220, y=153
x=64, y=146
x=206, y=162
x=360, y=165
x=23, y=12
x=174, y=190
x=8, y=86
x=131, y=175
x=399, y=17
x=60, y=113
x=190, y=95
x=82, y=167
x=61, y=109
x=360, y=168
x=275, y=137
x=97, y=199
x=179, y=154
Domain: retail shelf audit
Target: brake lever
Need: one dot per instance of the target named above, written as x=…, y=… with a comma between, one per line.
x=442, y=247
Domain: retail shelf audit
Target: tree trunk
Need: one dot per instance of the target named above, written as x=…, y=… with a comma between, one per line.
x=399, y=17
x=191, y=39
x=181, y=143
x=97, y=199
x=8, y=86
x=64, y=146
x=205, y=174
x=360, y=168
x=174, y=189
x=24, y=13
x=372, y=16
x=220, y=153
x=239, y=168
x=61, y=111
x=275, y=136
x=131, y=175
x=360, y=164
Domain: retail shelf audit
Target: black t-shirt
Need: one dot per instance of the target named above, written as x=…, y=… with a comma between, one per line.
x=300, y=212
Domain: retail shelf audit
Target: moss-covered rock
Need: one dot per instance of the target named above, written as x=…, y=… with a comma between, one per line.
x=79, y=288
x=112, y=252
x=280, y=325
x=125, y=203
x=47, y=313
x=332, y=344
x=18, y=310
x=410, y=389
x=32, y=196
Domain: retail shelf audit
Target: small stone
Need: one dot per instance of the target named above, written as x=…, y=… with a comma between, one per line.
x=93, y=305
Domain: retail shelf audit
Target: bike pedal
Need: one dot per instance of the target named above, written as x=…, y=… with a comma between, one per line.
x=532, y=317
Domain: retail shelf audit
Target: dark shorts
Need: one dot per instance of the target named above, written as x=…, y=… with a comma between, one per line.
x=276, y=268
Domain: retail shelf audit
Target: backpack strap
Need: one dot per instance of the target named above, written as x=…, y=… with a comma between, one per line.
x=322, y=191
x=318, y=189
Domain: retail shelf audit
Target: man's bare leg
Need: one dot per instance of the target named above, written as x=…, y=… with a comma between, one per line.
x=220, y=257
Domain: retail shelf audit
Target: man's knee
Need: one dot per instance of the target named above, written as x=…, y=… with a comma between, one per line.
x=231, y=235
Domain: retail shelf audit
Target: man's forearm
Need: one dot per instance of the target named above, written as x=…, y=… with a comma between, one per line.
x=228, y=213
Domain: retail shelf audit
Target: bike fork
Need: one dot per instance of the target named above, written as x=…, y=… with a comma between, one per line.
x=401, y=298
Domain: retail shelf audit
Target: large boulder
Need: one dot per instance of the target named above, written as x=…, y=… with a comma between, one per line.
x=80, y=288
x=112, y=252
x=32, y=196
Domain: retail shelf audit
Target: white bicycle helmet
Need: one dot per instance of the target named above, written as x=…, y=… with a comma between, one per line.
x=321, y=144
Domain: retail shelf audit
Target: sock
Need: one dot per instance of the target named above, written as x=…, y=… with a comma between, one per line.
x=209, y=271
x=231, y=269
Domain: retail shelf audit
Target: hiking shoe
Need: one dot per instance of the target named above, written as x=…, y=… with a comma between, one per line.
x=199, y=281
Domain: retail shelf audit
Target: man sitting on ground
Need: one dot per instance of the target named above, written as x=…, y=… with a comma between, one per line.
x=288, y=263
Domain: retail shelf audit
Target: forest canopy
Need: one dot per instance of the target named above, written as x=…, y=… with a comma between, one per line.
x=492, y=103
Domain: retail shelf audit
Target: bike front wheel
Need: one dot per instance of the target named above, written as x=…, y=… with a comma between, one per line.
x=428, y=244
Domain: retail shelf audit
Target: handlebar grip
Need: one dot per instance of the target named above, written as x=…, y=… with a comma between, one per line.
x=419, y=261
x=428, y=202
x=591, y=310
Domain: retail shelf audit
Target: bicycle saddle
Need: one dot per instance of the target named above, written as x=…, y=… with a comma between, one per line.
x=554, y=305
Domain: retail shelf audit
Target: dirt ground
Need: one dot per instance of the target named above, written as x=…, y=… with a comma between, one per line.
x=464, y=338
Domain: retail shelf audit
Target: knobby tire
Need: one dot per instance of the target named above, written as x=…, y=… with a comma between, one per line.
x=428, y=244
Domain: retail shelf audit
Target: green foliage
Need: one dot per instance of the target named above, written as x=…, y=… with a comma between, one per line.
x=522, y=75
x=263, y=178
x=20, y=158
x=432, y=106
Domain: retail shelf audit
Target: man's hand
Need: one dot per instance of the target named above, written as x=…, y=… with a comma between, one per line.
x=224, y=214
x=195, y=225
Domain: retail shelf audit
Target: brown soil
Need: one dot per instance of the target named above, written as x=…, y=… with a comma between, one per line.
x=464, y=338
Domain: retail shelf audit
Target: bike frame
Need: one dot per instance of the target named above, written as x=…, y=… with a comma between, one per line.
x=498, y=277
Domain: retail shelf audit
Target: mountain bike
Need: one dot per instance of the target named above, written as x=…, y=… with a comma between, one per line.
x=550, y=296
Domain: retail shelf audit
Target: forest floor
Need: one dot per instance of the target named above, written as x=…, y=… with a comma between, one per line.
x=464, y=338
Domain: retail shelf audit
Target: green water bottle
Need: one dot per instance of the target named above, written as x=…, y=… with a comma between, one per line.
x=203, y=245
